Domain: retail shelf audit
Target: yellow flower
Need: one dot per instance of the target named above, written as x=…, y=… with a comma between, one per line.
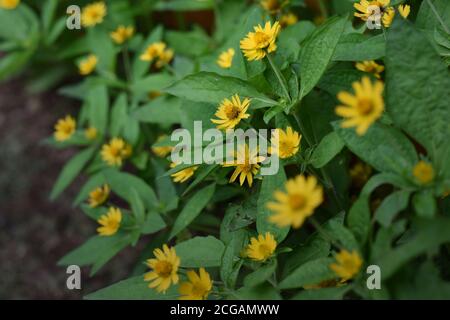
x=360, y=173
x=404, y=10
x=182, y=175
x=246, y=163
x=115, y=152
x=65, y=128
x=261, y=248
x=363, y=108
x=288, y=142
x=122, y=34
x=88, y=64
x=153, y=51
x=9, y=4
x=110, y=222
x=288, y=19
x=423, y=172
x=198, y=286
x=365, y=8
x=261, y=42
x=154, y=94
x=388, y=17
x=347, y=264
x=90, y=133
x=93, y=14
x=231, y=112
x=164, y=269
x=273, y=6
x=164, y=58
x=225, y=59
x=292, y=207
x=98, y=196
x=370, y=67
x=162, y=152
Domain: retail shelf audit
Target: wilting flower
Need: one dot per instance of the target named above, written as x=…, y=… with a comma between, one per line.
x=162, y=152
x=288, y=19
x=246, y=163
x=363, y=108
x=9, y=4
x=303, y=195
x=93, y=14
x=347, y=265
x=122, y=34
x=287, y=144
x=365, y=8
x=423, y=172
x=182, y=175
x=404, y=10
x=115, y=152
x=370, y=67
x=98, y=196
x=65, y=128
x=87, y=65
x=164, y=269
x=225, y=59
x=231, y=112
x=90, y=133
x=110, y=222
x=198, y=287
x=256, y=45
x=261, y=248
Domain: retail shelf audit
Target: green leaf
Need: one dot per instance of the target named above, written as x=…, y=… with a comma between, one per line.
x=192, y=43
x=164, y=111
x=93, y=182
x=317, y=53
x=98, y=101
x=359, y=47
x=322, y=294
x=137, y=206
x=200, y=252
x=100, y=44
x=261, y=292
x=424, y=204
x=184, y=5
x=268, y=187
x=310, y=273
x=261, y=274
x=231, y=259
x=139, y=67
x=381, y=155
x=422, y=115
x=153, y=223
x=358, y=219
x=344, y=236
x=192, y=209
x=327, y=149
x=71, y=171
x=134, y=288
x=48, y=13
x=393, y=204
x=118, y=115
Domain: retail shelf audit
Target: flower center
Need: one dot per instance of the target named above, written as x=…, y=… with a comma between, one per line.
x=297, y=201
x=264, y=250
x=286, y=147
x=365, y=106
x=163, y=268
x=261, y=39
x=232, y=112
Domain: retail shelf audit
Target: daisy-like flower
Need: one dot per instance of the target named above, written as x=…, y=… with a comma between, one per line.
x=365, y=8
x=182, y=175
x=423, y=172
x=87, y=65
x=285, y=143
x=198, y=287
x=110, y=222
x=303, y=195
x=164, y=58
x=90, y=133
x=65, y=128
x=388, y=17
x=404, y=10
x=153, y=51
x=261, y=248
x=164, y=269
x=93, y=14
x=9, y=4
x=273, y=6
x=256, y=45
x=122, y=34
x=162, y=152
x=98, y=196
x=370, y=67
x=225, y=59
x=288, y=19
x=231, y=112
x=363, y=108
x=246, y=163
x=347, y=266
x=115, y=152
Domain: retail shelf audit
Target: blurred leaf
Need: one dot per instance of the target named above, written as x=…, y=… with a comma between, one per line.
x=200, y=252
x=98, y=100
x=391, y=205
x=359, y=47
x=310, y=273
x=261, y=274
x=327, y=149
x=424, y=204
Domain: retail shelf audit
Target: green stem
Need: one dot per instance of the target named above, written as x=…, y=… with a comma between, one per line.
x=279, y=76
x=436, y=13
x=323, y=9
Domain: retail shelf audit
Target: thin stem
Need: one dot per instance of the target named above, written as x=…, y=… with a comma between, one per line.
x=323, y=9
x=279, y=76
x=436, y=13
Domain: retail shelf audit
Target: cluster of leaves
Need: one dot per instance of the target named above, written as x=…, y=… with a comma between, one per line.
x=390, y=220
